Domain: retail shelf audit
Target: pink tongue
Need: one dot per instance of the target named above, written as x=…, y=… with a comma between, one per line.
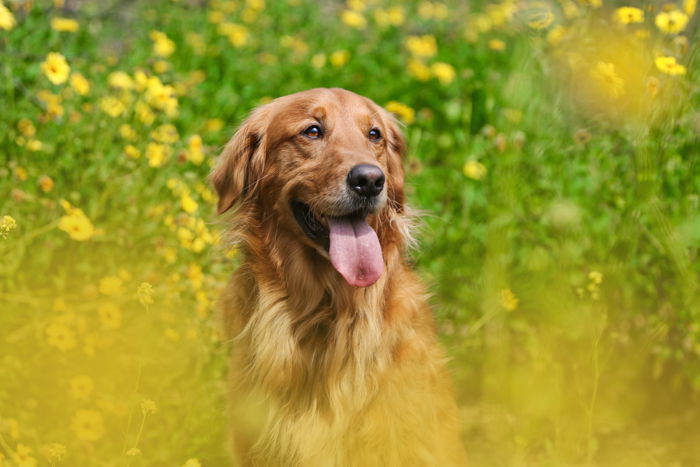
x=355, y=251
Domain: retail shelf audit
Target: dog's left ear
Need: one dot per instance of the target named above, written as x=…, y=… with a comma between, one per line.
x=397, y=151
x=242, y=162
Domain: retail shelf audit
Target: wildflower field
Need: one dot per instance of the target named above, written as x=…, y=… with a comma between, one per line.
x=553, y=157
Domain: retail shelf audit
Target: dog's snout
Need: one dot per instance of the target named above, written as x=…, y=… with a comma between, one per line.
x=366, y=180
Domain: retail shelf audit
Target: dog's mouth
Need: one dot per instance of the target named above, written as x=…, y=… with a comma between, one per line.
x=352, y=244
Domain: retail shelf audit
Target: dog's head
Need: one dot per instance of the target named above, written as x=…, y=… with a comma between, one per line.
x=327, y=165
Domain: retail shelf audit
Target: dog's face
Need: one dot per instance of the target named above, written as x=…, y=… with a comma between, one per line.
x=326, y=165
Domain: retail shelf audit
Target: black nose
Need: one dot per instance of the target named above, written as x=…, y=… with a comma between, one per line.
x=366, y=180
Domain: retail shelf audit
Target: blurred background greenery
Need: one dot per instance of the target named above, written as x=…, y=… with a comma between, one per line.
x=553, y=165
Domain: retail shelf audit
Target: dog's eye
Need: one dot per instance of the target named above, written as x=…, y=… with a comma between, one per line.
x=313, y=132
x=375, y=134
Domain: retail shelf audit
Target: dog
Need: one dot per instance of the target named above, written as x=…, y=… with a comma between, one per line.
x=335, y=359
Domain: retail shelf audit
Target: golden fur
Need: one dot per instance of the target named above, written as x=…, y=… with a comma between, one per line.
x=339, y=375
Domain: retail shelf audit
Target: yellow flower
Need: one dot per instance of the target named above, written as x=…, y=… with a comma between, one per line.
x=110, y=315
x=353, y=19
x=540, y=16
x=81, y=387
x=145, y=293
x=110, y=286
x=162, y=45
x=237, y=34
x=689, y=6
x=77, y=225
x=422, y=46
x=26, y=127
x=188, y=204
x=132, y=151
x=56, y=68
x=357, y=5
x=611, y=83
x=80, y=83
x=64, y=24
x=144, y=113
x=212, y=125
x=54, y=452
x=669, y=66
x=443, y=72
x=194, y=152
x=157, y=154
x=166, y=133
x=596, y=277
x=22, y=456
x=171, y=334
x=7, y=224
x=419, y=70
x=340, y=58
x=628, y=15
x=394, y=16
x=45, y=183
x=195, y=275
x=432, y=10
x=508, y=300
x=556, y=35
x=148, y=407
x=318, y=60
x=671, y=22
x=127, y=132
x=88, y=425
x=60, y=336
x=112, y=106
x=161, y=96
x=404, y=112
x=120, y=80
x=192, y=462
x=52, y=103
x=497, y=45
x=474, y=170
x=161, y=66
x=7, y=21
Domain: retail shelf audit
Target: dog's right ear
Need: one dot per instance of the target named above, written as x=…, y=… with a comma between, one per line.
x=242, y=162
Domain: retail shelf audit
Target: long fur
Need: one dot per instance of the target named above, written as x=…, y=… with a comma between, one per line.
x=325, y=374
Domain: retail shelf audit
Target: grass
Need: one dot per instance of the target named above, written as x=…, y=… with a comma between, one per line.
x=552, y=156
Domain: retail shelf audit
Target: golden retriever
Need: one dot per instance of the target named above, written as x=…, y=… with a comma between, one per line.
x=335, y=358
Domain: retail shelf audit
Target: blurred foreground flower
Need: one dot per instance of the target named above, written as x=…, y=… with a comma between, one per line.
x=88, y=425
x=145, y=293
x=80, y=84
x=192, y=463
x=509, y=300
x=404, y=112
x=163, y=46
x=148, y=406
x=628, y=15
x=7, y=21
x=75, y=223
x=608, y=79
x=60, y=336
x=444, y=72
x=353, y=19
x=64, y=25
x=56, y=68
x=81, y=387
x=474, y=170
x=671, y=22
x=7, y=224
x=669, y=66
x=54, y=452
